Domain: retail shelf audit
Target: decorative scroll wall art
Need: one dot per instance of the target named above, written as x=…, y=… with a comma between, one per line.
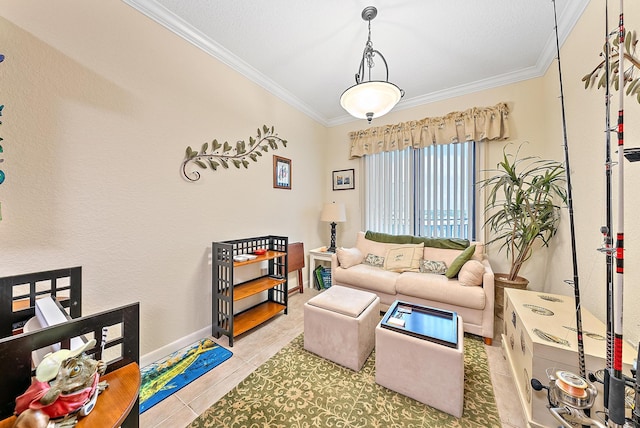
x=225, y=154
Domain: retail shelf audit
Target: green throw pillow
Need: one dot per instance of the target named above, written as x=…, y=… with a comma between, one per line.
x=456, y=265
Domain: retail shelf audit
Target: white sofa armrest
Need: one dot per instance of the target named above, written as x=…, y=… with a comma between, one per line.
x=334, y=262
x=488, y=282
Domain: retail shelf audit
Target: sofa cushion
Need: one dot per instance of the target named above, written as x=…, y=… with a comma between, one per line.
x=367, y=246
x=349, y=257
x=450, y=243
x=367, y=277
x=455, y=266
x=403, y=258
x=448, y=256
x=439, y=288
x=479, y=253
x=433, y=266
x=471, y=273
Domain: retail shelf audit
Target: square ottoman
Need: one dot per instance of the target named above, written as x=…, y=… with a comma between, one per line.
x=339, y=325
x=423, y=370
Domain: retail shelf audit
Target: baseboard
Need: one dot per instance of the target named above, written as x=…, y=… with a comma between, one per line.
x=160, y=353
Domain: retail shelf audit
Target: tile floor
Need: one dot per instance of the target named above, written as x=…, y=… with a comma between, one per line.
x=257, y=346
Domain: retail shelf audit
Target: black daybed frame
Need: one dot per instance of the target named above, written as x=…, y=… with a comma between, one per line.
x=17, y=305
x=16, y=369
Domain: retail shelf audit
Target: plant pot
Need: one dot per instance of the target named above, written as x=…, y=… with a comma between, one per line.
x=501, y=282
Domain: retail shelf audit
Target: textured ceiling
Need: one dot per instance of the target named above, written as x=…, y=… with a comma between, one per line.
x=307, y=52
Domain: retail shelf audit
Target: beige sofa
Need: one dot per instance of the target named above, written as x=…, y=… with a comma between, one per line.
x=470, y=293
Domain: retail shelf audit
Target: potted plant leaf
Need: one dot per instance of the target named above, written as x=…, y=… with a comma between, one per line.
x=522, y=211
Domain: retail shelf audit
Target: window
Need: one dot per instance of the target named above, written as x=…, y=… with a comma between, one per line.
x=423, y=192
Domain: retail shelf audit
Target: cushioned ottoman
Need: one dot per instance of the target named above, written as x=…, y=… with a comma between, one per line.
x=339, y=325
x=425, y=371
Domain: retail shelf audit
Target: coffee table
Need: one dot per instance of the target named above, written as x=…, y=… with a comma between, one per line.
x=424, y=358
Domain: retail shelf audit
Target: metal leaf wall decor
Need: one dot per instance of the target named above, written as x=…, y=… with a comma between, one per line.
x=631, y=80
x=222, y=155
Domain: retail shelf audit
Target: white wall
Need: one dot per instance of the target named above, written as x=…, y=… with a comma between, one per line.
x=536, y=118
x=96, y=121
x=97, y=118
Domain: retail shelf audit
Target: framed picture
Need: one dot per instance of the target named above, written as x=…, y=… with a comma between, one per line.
x=343, y=180
x=281, y=172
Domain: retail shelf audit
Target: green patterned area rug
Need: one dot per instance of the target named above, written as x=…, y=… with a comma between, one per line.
x=296, y=388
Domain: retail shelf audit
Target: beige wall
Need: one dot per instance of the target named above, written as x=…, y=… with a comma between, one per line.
x=586, y=123
x=98, y=116
x=96, y=121
x=536, y=118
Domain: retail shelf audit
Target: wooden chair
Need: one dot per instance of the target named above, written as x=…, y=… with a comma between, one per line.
x=295, y=254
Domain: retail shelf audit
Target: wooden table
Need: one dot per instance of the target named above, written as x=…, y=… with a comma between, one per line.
x=296, y=263
x=114, y=403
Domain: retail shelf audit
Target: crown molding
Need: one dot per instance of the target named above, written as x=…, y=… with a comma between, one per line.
x=166, y=18
x=175, y=24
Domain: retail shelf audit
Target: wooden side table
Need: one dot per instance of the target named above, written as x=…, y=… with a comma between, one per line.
x=315, y=256
x=114, y=404
x=296, y=263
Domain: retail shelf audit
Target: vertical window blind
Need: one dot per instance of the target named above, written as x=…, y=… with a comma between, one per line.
x=423, y=192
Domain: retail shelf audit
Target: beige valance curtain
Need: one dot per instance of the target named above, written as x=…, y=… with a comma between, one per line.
x=475, y=124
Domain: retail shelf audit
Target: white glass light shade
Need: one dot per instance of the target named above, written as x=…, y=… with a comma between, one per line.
x=334, y=213
x=377, y=97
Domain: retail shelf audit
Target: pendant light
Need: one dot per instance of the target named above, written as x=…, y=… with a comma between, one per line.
x=370, y=98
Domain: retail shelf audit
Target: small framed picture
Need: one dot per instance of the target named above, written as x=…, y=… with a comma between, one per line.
x=343, y=180
x=281, y=172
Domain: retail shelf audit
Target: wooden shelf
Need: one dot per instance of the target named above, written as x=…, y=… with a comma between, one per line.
x=255, y=316
x=261, y=258
x=255, y=286
x=268, y=289
x=114, y=403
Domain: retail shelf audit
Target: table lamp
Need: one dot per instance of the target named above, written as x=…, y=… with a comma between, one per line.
x=333, y=213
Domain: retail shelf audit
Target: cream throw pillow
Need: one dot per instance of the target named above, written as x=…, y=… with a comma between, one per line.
x=471, y=273
x=404, y=258
x=349, y=257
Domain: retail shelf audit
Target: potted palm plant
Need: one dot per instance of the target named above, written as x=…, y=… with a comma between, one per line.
x=522, y=211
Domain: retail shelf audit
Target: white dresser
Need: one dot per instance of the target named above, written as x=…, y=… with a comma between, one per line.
x=539, y=333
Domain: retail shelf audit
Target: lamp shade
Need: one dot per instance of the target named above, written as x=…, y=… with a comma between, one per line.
x=333, y=213
x=370, y=99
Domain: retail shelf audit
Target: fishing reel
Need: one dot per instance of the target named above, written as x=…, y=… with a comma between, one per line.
x=569, y=396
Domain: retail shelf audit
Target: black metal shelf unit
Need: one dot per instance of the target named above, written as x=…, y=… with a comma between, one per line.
x=225, y=291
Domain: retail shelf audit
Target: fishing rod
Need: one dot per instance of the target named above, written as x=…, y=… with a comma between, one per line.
x=607, y=228
x=574, y=255
x=570, y=397
x=616, y=379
